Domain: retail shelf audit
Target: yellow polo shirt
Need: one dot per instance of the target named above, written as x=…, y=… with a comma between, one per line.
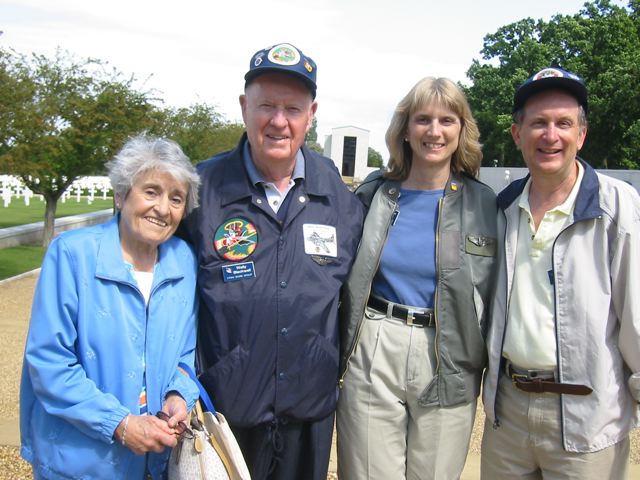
x=530, y=340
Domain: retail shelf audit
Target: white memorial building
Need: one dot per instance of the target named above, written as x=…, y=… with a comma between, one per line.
x=348, y=147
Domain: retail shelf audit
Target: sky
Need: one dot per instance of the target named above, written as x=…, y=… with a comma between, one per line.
x=369, y=53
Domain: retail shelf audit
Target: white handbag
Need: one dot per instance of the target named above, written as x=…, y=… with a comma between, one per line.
x=195, y=457
x=213, y=453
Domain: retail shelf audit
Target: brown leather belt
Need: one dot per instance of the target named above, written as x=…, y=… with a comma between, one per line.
x=423, y=317
x=541, y=381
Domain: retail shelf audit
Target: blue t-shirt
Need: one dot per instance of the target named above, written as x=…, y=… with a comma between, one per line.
x=407, y=271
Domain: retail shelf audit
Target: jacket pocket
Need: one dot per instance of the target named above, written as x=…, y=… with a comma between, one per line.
x=480, y=245
x=450, y=250
x=313, y=384
x=227, y=384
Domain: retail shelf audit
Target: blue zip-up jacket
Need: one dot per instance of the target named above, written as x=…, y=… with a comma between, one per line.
x=83, y=366
x=268, y=342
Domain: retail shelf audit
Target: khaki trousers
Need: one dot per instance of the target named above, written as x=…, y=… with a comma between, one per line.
x=528, y=443
x=383, y=434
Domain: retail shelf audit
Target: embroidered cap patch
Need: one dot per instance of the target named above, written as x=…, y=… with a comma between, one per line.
x=284, y=54
x=235, y=239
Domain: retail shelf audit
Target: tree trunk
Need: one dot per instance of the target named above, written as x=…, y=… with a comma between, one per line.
x=51, y=203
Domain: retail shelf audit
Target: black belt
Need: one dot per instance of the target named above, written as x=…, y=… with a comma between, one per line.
x=541, y=381
x=422, y=317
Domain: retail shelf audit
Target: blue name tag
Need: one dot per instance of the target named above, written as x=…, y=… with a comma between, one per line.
x=238, y=271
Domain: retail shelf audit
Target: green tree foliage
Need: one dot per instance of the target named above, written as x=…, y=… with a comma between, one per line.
x=374, y=159
x=199, y=129
x=311, y=138
x=601, y=43
x=14, y=90
x=61, y=119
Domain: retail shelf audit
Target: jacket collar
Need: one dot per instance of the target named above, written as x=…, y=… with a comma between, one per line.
x=588, y=199
x=236, y=183
x=454, y=186
x=587, y=202
x=110, y=263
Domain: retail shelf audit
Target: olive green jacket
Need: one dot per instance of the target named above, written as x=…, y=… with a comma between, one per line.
x=465, y=257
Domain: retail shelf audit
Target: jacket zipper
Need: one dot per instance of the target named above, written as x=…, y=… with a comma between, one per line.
x=555, y=318
x=359, y=331
x=496, y=421
x=146, y=331
x=435, y=300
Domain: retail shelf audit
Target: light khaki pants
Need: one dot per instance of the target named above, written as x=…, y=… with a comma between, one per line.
x=383, y=434
x=528, y=443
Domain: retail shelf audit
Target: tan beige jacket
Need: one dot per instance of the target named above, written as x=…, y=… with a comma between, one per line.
x=596, y=272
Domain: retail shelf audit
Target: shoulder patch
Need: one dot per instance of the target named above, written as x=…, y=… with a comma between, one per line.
x=235, y=239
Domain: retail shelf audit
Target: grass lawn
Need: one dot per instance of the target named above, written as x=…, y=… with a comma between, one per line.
x=19, y=214
x=17, y=260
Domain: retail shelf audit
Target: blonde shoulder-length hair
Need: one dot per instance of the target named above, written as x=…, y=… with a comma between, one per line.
x=445, y=93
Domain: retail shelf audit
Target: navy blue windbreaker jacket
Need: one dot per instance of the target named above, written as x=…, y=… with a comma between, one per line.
x=269, y=290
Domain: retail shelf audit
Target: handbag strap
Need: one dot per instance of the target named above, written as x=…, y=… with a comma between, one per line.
x=204, y=396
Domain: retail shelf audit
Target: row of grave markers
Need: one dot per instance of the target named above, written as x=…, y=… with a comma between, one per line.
x=12, y=188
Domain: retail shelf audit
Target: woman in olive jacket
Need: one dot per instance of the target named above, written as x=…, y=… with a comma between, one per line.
x=414, y=306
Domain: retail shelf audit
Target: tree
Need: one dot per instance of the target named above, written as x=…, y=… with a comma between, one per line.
x=311, y=138
x=601, y=43
x=13, y=91
x=374, y=159
x=199, y=130
x=62, y=119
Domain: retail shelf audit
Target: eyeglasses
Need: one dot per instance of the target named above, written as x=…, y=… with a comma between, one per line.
x=181, y=427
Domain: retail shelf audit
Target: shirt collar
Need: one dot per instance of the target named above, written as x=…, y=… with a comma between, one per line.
x=565, y=207
x=254, y=175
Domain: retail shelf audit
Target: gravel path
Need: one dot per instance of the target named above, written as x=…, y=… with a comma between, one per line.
x=15, y=309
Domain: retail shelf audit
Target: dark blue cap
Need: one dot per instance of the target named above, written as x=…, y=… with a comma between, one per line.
x=551, y=79
x=283, y=58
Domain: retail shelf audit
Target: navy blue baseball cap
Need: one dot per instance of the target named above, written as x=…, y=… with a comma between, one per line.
x=548, y=79
x=283, y=58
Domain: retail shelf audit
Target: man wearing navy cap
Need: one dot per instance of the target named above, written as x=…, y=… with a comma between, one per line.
x=275, y=234
x=563, y=385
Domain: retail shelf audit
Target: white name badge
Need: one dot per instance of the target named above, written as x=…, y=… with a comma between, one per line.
x=320, y=240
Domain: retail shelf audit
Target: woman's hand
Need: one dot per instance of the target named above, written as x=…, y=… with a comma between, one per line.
x=176, y=407
x=145, y=433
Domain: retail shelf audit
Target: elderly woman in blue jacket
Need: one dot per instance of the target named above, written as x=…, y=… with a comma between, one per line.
x=113, y=314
